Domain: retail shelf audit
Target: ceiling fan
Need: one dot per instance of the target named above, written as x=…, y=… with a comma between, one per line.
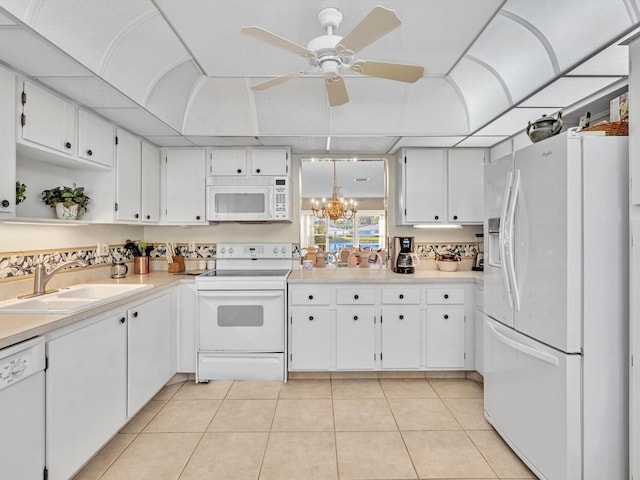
x=329, y=53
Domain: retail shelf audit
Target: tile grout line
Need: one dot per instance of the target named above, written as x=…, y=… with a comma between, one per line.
x=335, y=433
x=266, y=443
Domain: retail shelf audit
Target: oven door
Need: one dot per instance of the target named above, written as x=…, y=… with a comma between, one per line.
x=241, y=321
x=235, y=203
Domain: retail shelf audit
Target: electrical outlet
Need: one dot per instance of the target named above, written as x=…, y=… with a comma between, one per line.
x=103, y=249
x=192, y=246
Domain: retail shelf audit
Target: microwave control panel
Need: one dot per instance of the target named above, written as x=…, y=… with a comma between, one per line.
x=281, y=198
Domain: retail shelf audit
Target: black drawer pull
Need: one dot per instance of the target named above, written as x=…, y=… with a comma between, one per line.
x=401, y=296
x=401, y=317
x=356, y=296
x=89, y=152
x=455, y=217
x=135, y=314
x=148, y=217
x=239, y=170
x=355, y=317
x=137, y=215
x=311, y=318
x=122, y=320
x=437, y=217
x=446, y=317
x=310, y=297
x=446, y=295
x=67, y=145
x=257, y=170
x=5, y=203
x=197, y=217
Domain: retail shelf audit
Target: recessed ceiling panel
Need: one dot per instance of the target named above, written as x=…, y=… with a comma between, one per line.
x=574, y=28
x=137, y=120
x=85, y=29
x=611, y=61
x=433, y=107
x=142, y=56
x=89, y=91
x=298, y=107
x=513, y=121
x=220, y=106
x=28, y=53
x=219, y=141
x=358, y=145
x=299, y=145
x=426, y=142
x=515, y=54
x=484, y=95
x=567, y=91
x=477, y=141
x=170, y=95
x=170, y=141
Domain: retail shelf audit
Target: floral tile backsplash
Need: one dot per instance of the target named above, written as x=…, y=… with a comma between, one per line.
x=20, y=265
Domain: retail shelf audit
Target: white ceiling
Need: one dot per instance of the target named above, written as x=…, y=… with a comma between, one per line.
x=179, y=71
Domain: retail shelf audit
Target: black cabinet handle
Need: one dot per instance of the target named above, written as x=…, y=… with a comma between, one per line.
x=356, y=297
x=239, y=170
x=446, y=317
x=135, y=314
x=310, y=297
x=446, y=295
x=89, y=152
x=137, y=215
x=122, y=320
x=401, y=296
x=355, y=317
x=197, y=217
x=67, y=145
x=436, y=217
x=257, y=170
x=455, y=217
x=148, y=217
x=5, y=203
x=401, y=317
x=311, y=318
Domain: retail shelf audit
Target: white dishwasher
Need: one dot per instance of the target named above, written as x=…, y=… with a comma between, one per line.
x=22, y=410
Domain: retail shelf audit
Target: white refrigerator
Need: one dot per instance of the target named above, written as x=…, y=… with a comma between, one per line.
x=556, y=305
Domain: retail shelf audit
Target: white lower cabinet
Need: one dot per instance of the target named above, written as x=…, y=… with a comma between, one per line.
x=309, y=331
x=401, y=338
x=445, y=337
x=86, y=392
x=150, y=364
x=355, y=338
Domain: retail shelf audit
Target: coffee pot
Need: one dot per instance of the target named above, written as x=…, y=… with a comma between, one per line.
x=404, y=258
x=119, y=269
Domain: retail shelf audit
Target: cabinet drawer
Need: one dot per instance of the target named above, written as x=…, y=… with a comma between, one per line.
x=356, y=296
x=310, y=296
x=445, y=296
x=401, y=296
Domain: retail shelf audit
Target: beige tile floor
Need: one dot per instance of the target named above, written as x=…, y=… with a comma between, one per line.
x=346, y=429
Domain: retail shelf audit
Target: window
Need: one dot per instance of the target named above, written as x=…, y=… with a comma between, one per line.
x=332, y=235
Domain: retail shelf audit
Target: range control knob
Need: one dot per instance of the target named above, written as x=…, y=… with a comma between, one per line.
x=284, y=250
x=17, y=368
x=222, y=250
x=230, y=250
x=275, y=250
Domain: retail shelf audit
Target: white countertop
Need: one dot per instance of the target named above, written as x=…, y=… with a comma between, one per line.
x=355, y=275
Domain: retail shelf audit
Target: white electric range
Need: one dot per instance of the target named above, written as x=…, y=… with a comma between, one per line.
x=241, y=309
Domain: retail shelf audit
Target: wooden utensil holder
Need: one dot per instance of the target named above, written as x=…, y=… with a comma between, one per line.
x=177, y=265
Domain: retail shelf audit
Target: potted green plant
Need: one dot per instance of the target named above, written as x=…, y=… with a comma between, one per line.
x=21, y=190
x=68, y=201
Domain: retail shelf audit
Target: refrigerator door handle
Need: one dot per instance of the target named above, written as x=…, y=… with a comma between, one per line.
x=545, y=357
x=510, y=265
x=503, y=237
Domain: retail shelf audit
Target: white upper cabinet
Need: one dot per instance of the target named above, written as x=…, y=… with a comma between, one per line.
x=270, y=161
x=96, y=139
x=227, y=161
x=47, y=119
x=465, y=185
x=440, y=186
x=185, y=186
x=128, y=177
x=7, y=145
x=150, y=183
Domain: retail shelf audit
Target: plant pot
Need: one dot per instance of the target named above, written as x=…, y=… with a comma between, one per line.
x=66, y=213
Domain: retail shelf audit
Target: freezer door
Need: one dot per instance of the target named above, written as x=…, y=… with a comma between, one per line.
x=547, y=246
x=497, y=301
x=532, y=398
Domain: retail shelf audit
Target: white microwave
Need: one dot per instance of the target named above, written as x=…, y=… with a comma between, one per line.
x=249, y=199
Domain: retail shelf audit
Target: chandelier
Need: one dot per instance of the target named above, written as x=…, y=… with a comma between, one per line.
x=337, y=207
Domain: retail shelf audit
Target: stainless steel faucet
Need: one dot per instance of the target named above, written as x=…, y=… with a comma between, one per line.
x=42, y=277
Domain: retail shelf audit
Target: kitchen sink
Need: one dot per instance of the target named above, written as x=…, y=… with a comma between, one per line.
x=72, y=299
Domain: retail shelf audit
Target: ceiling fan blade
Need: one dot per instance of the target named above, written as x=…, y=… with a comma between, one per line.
x=278, y=80
x=277, y=40
x=336, y=91
x=393, y=71
x=378, y=22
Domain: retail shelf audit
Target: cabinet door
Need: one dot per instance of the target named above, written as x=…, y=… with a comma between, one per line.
x=270, y=161
x=309, y=334
x=96, y=139
x=186, y=329
x=150, y=365
x=466, y=185
x=401, y=338
x=185, y=186
x=7, y=144
x=86, y=387
x=424, y=178
x=355, y=339
x=150, y=183
x=445, y=337
x=48, y=120
x=228, y=161
x=128, y=177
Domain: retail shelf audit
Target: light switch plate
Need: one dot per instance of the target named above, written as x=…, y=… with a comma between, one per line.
x=103, y=249
x=192, y=246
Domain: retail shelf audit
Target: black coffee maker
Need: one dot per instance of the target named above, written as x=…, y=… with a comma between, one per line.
x=404, y=259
